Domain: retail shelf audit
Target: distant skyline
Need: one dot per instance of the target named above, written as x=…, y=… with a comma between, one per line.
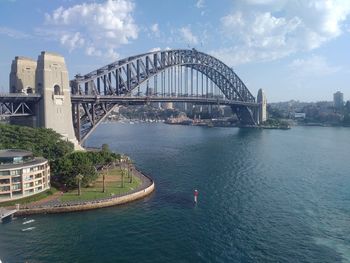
x=294, y=50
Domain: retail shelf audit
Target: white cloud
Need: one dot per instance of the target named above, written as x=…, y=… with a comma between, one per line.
x=91, y=51
x=72, y=41
x=99, y=28
x=155, y=30
x=158, y=49
x=200, y=4
x=260, y=30
x=312, y=66
x=155, y=49
x=188, y=36
x=13, y=33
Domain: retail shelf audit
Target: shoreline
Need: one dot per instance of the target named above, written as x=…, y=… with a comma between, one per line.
x=145, y=189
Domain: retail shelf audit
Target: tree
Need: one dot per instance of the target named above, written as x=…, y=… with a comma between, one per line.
x=130, y=169
x=71, y=164
x=104, y=172
x=105, y=147
x=40, y=141
x=79, y=177
x=123, y=173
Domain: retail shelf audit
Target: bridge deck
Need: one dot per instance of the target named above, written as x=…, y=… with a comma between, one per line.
x=148, y=99
x=19, y=97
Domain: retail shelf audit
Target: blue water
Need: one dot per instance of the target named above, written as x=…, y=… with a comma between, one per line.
x=264, y=195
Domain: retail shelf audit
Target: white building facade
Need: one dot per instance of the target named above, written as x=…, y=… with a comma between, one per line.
x=22, y=174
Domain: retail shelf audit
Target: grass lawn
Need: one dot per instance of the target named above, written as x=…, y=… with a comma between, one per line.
x=31, y=199
x=113, y=186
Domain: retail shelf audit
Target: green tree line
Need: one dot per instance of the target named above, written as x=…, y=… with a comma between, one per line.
x=65, y=163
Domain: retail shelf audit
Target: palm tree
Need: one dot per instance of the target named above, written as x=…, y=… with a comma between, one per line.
x=104, y=179
x=124, y=171
x=79, y=177
x=131, y=174
x=130, y=169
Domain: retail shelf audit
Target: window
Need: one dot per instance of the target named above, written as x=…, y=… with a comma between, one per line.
x=16, y=180
x=4, y=181
x=28, y=178
x=4, y=188
x=4, y=172
x=34, y=169
x=16, y=187
x=57, y=90
x=28, y=185
x=17, y=160
x=16, y=172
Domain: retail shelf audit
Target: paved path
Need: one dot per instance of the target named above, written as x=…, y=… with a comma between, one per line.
x=50, y=199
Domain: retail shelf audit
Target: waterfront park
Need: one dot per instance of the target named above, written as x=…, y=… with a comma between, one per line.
x=77, y=177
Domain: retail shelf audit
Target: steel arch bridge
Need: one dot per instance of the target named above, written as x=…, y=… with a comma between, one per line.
x=171, y=72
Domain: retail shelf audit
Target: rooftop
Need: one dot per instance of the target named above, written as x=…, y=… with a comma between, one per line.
x=24, y=58
x=35, y=161
x=11, y=153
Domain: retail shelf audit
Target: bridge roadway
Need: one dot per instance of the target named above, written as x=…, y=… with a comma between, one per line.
x=139, y=100
x=19, y=97
x=131, y=100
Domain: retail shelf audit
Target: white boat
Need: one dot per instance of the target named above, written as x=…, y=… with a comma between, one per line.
x=28, y=229
x=29, y=221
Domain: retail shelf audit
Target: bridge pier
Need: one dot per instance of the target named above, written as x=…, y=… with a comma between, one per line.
x=22, y=80
x=48, y=76
x=262, y=110
x=55, y=110
x=246, y=115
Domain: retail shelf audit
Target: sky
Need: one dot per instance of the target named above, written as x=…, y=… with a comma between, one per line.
x=294, y=49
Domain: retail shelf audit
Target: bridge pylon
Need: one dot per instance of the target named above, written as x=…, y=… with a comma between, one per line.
x=55, y=108
x=22, y=80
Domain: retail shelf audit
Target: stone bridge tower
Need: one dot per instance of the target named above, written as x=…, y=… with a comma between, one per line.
x=22, y=80
x=262, y=112
x=55, y=109
x=22, y=76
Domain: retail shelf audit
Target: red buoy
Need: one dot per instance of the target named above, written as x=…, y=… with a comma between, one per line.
x=195, y=195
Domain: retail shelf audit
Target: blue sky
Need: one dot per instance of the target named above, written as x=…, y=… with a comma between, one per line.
x=292, y=49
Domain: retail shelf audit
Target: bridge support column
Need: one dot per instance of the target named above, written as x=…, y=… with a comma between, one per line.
x=262, y=111
x=55, y=109
x=76, y=120
x=245, y=115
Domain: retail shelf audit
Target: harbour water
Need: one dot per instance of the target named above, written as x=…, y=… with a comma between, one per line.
x=264, y=196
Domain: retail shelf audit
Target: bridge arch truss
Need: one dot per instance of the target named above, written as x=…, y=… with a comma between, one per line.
x=95, y=94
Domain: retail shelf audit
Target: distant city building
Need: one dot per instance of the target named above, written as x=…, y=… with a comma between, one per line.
x=299, y=115
x=261, y=99
x=22, y=174
x=168, y=106
x=338, y=100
